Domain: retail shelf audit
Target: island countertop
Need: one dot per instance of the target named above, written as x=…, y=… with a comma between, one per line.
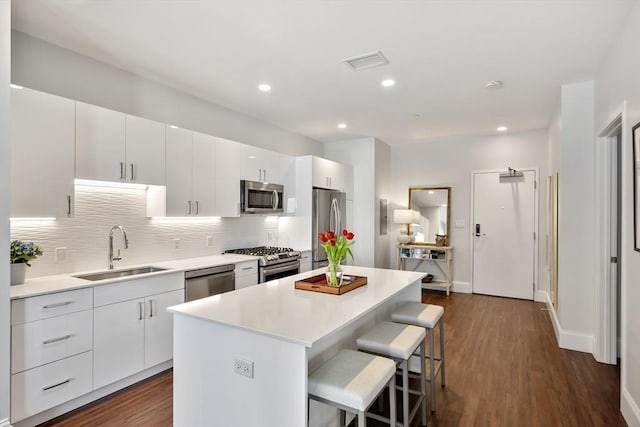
x=277, y=309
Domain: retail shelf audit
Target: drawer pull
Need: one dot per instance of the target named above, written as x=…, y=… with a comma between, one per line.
x=49, y=387
x=52, y=340
x=58, y=304
x=247, y=268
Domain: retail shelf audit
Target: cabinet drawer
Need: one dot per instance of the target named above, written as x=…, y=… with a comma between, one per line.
x=50, y=305
x=39, y=389
x=44, y=341
x=247, y=268
x=137, y=288
x=246, y=281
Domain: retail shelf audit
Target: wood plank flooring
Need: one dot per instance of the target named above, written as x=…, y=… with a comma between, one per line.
x=504, y=368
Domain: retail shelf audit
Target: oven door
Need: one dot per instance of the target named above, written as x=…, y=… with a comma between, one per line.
x=273, y=272
x=260, y=197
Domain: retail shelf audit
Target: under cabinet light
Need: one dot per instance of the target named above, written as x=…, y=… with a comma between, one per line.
x=15, y=86
x=185, y=218
x=44, y=218
x=127, y=185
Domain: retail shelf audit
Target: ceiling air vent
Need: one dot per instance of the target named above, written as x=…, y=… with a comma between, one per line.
x=368, y=60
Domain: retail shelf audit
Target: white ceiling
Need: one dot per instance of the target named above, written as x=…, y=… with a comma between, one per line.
x=441, y=53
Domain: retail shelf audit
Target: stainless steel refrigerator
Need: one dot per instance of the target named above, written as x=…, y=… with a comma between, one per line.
x=329, y=214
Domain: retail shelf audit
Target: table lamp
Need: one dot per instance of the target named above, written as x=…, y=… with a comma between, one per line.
x=405, y=217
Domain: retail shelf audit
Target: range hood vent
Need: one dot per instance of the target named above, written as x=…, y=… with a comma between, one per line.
x=368, y=60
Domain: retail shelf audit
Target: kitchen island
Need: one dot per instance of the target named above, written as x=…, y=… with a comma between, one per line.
x=274, y=334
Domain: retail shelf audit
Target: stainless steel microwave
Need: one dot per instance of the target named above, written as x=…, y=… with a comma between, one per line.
x=260, y=197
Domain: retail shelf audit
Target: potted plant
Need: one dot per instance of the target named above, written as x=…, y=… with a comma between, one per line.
x=337, y=248
x=20, y=253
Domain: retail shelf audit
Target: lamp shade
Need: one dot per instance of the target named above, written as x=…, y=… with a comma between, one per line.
x=403, y=216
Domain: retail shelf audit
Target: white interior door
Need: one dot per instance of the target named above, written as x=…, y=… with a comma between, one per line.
x=503, y=227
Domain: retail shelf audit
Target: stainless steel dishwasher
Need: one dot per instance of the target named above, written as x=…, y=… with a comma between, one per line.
x=209, y=281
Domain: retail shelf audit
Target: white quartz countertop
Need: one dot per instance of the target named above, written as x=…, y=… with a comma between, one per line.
x=279, y=310
x=65, y=282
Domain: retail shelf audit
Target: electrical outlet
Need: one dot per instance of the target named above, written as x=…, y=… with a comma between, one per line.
x=209, y=241
x=176, y=244
x=243, y=367
x=60, y=255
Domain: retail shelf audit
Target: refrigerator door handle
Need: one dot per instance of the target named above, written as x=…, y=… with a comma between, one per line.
x=334, y=219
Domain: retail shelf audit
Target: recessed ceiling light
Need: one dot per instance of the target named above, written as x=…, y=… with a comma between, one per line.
x=264, y=87
x=342, y=125
x=431, y=192
x=388, y=83
x=173, y=126
x=15, y=86
x=501, y=128
x=493, y=84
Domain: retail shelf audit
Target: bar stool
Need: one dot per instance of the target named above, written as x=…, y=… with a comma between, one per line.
x=351, y=381
x=427, y=316
x=399, y=342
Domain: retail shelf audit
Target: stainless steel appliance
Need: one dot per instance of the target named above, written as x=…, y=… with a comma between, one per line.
x=274, y=262
x=209, y=281
x=260, y=197
x=329, y=214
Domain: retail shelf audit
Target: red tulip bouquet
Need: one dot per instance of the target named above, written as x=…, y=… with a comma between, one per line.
x=337, y=248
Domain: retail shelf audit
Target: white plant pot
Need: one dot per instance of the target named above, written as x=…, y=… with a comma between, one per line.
x=18, y=271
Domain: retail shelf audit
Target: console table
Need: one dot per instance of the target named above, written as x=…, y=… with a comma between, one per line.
x=435, y=256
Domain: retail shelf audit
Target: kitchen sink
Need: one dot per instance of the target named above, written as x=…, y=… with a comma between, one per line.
x=112, y=274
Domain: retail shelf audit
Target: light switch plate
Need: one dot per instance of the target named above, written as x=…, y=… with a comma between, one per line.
x=175, y=244
x=60, y=255
x=209, y=241
x=459, y=223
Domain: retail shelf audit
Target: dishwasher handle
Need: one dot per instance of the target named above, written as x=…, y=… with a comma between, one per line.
x=208, y=271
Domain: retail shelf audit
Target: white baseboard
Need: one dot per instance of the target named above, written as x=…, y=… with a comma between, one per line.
x=540, y=296
x=568, y=340
x=462, y=287
x=5, y=423
x=629, y=409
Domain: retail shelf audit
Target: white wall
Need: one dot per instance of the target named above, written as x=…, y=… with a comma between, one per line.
x=150, y=240
x=617, y=81
x=49, y=68
x=5, y=79
x=576, y=216
x=448, y=162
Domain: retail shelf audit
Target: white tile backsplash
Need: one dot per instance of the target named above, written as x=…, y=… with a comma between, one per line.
x=97, y=209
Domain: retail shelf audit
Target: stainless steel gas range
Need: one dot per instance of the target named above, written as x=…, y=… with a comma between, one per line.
x=274, y=262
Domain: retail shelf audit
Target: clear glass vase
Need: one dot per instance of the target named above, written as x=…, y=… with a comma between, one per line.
x=334, y=274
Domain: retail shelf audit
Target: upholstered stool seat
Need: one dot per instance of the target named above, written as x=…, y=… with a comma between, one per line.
x=399, y=342
x=351, y=381
x=428, y=316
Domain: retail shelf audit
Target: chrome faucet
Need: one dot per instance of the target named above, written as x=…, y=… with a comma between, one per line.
x=126, y=244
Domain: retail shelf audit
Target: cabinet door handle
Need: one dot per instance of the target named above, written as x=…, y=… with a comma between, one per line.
x=56, y=305
x=189, y=207
x=140, y=310
x=68, y=205
x=197, y=207
x=264, y=175
x=133, y=174
x=150, y=308
x=122, y=171
x=259, y=174
x=49, y=387
x=52, y=340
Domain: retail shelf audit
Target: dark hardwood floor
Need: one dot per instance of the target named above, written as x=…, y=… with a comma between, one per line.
x=504, y=368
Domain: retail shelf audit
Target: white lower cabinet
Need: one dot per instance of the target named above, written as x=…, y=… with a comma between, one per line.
x=158, y=332
x=246, y=274
x=305, y=261
x=44, y=387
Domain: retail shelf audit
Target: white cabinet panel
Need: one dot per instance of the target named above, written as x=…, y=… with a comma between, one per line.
x=179, y=179
x=228, y=176
x=246, y=274
x=259, y=164
x=204, y=174
x=118, y=341
x=50, y=305
x=145, y=150
x=158, y=333
x=44, y=341
x=42, y=154
x=100, y=143
x=38, y=389
x=305, y=261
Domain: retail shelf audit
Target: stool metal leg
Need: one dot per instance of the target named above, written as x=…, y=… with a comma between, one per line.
x=392, y=402
x=432, y=366
x=343, y=418
x=442, y=352
x=423, y=385
x=405, y=393
x=362, y=419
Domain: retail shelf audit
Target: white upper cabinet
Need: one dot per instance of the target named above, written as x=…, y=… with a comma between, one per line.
x=228, y=176
x=332, y=175
x=113, y=146
x=190, y=173
x=259, y=164
x=145, y=150
x=42, y=147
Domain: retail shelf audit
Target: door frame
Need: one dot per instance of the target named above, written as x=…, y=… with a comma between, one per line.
x=605, y=337
x=536, y=207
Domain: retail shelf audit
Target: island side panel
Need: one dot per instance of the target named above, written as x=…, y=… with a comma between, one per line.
x=207, y=391
x=321, y=351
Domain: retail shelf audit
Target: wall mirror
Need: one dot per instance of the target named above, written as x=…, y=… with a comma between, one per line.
x=433, y=203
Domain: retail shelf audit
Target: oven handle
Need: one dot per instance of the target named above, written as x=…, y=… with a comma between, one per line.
x=278, y=269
